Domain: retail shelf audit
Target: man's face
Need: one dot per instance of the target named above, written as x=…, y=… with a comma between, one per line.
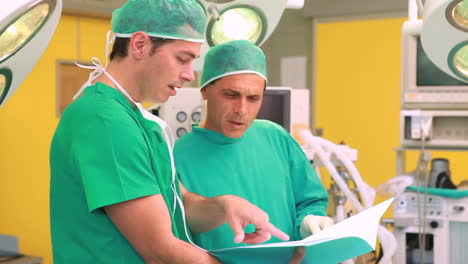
x=170, y=66
x=233, y=103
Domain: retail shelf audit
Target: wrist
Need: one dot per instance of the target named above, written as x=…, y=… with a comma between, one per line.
x=220, y=204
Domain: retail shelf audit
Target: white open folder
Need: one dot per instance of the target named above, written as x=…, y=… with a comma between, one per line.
x=349, y=238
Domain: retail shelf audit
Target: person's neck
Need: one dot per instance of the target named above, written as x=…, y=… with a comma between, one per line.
x=202, y=123
x=124, y=75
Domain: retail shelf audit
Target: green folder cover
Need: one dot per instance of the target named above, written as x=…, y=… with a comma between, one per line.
x=349, y=238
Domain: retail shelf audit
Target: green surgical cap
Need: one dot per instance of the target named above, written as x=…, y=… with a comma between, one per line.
x=233, y=57
x=172, y=19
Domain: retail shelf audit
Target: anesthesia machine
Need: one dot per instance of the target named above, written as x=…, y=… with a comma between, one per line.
x=431, y=217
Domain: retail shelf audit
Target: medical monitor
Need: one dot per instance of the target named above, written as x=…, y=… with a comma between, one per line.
x=276, y=106
x=424, y=85
x=286, y=106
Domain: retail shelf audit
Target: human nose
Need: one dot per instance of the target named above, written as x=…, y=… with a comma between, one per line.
x=187, y=74
x=241, y=106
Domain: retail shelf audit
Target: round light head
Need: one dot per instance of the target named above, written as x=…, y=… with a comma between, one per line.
x=444, y=36
x=20, y=31
x=5, y=83
x=458, y=60
x=228, y=20
x=237, y=23
x=457, y=14
x=26, y=27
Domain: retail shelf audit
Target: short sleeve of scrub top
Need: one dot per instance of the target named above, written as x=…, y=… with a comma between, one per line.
x=113, y=161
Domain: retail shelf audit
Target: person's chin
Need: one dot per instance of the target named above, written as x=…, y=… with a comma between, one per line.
x=234, y=134
x=164, y=98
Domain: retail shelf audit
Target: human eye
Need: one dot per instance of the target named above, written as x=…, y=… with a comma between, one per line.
x=230, y=94
x=253, y=98
x=182, y=59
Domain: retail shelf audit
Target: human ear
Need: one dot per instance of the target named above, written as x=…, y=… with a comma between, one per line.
x=203, y=92
x=138, y=44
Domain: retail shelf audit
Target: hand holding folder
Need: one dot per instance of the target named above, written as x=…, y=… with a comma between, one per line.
x=349, y=238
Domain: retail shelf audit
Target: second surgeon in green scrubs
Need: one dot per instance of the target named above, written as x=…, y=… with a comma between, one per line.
x=233, y=153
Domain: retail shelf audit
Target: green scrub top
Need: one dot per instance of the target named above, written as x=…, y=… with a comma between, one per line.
x=266, y=166
x=103, y=152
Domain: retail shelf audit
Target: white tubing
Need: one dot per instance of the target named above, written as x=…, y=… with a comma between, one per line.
x=387, y=239
x=340, y=213
x=309, y=139
x=389, y=244
x=367, y=193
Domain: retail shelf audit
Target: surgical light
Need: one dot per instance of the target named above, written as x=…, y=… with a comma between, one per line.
x=26, y=27
x=459, y=60
x=22, y=29
x=457, y=14
x=237, y=23
x=5, y=82
x=444, y=35
x=252, y=20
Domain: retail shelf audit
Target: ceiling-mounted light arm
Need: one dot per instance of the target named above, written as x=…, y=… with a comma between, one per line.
x=415, y=9
x=213, y=10
x=413, y=24
x=294, y=4
x=420, y=7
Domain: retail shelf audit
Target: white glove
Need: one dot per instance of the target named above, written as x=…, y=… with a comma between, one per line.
x=312, y=224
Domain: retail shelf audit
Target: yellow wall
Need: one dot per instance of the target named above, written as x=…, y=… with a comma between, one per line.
x=358, y=95
x=28, y=121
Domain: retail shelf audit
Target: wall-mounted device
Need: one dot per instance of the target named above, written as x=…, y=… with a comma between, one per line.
x=182, y=111
x=446, y=129
x=423, y=84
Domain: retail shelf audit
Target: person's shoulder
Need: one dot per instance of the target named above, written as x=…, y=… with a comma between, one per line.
x=103, y=117
x=98, y=107
x=267, y=126
x=188, y=140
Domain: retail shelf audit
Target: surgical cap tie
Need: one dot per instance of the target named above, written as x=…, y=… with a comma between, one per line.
x=98, y=70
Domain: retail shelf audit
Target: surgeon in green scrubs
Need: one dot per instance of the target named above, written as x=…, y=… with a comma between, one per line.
x=114, y=194
x=233, y=153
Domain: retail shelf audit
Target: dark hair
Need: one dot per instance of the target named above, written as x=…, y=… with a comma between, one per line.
x=120, y=47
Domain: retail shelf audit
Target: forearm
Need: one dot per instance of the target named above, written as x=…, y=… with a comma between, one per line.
x=146, y=224
x=204, y=214
x=176, y=251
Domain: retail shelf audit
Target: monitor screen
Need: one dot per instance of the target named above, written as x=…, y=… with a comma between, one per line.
x=428, y=74
x=276, y=107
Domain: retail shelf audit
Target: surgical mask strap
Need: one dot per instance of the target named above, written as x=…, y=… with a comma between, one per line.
x=169, y=143
x=166, y=130
x=97, y=71
x=164, y=127
x=97, y=68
